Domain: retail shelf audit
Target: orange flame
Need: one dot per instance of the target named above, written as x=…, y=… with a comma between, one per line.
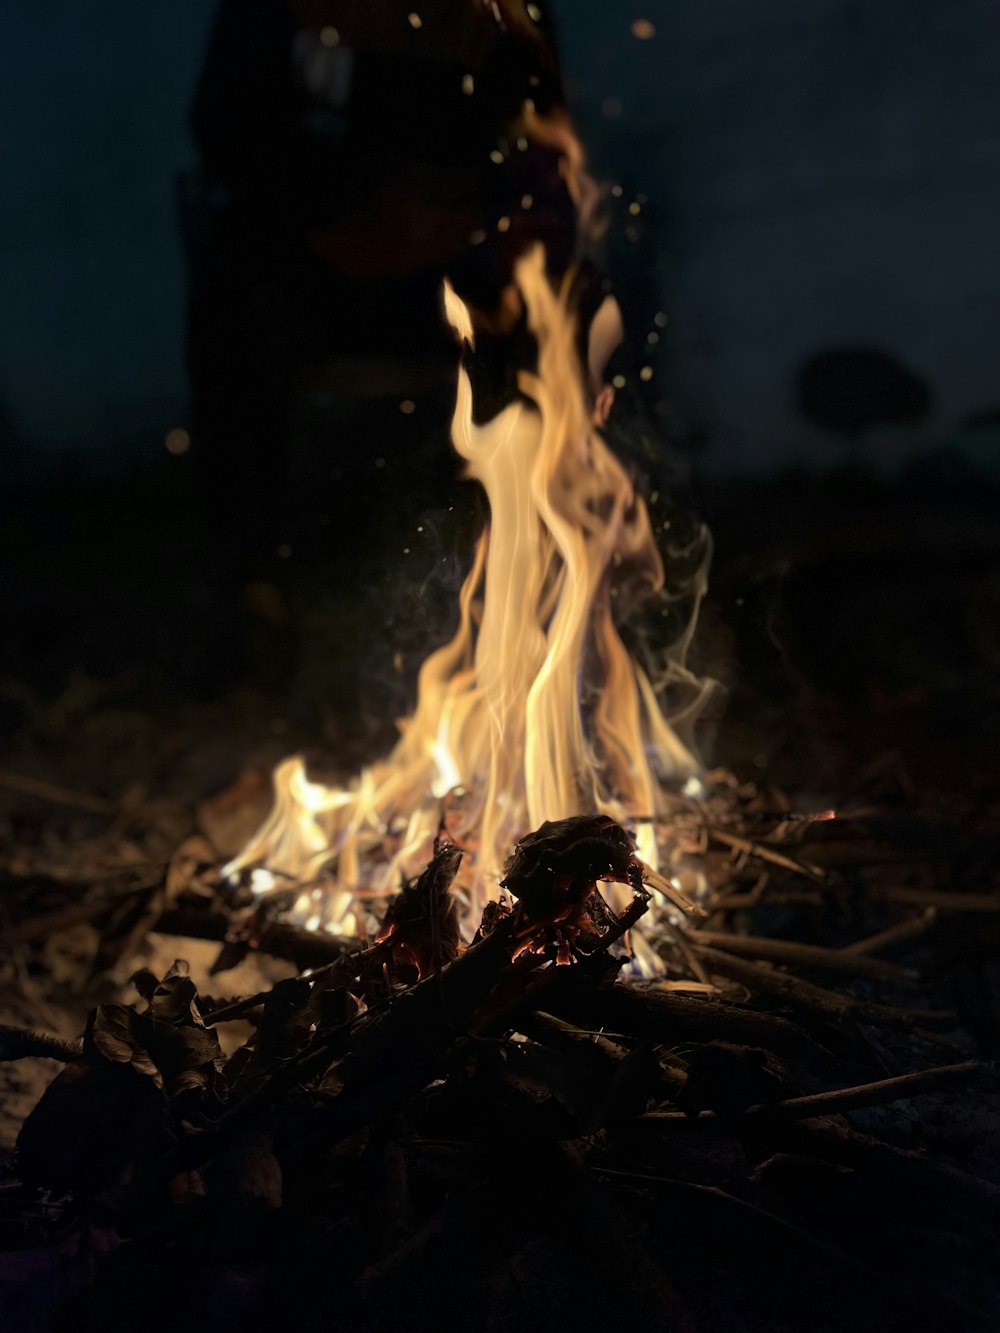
x=502, y=736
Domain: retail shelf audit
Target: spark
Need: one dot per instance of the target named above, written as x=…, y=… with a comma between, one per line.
x=643, y=30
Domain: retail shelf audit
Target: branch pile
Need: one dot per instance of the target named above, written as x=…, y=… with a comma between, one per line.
x=414, y=1136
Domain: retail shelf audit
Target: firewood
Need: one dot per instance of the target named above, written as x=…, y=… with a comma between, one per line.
x=878, y=1093
x=24, y=1043
x=675, y=1019
x=807, y=956
x=808, y=998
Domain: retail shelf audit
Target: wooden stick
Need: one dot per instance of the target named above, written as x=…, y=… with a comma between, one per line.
x=56, y=795
x=903, y=1166
x=815, y=999
x=304, y=948
x=879, y=1093
x=22, y=1043
x=734, y=902
x=691, y=957
x=673, y=1019
x=904, y=930
x=809, y=956
x=40, y=927
x=766, y=853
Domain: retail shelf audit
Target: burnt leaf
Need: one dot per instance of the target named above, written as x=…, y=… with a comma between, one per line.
x=113, y=1034
x=286, y=1019
x=174, y=1001
x=554, y=873
x=584, y=847
x=168, y=1043
x=254, y=1168
x=92, y=1126
x=420, y=928
x=145, y=983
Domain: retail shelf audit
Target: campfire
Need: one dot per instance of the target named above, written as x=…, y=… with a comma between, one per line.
x=534, y=711
x=572, y=1028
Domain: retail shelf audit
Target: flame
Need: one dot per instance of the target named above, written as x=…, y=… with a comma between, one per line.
x=534, y=709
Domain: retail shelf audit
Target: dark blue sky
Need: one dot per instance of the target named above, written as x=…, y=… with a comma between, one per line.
x=93, y=98
x=820, y=171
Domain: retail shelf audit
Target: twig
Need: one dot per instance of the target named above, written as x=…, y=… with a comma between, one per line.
x=734, y=902
x=238, y=1008
x=879, y=1093
x=56, y=795
x=691, y=958
x=22, y=1043
x=40, y=927
x=677, y=1019
x=904, y=1167
x=816, y=999
x=903, y=930
x=766, y=853
x=304, y=948
x=809, y=956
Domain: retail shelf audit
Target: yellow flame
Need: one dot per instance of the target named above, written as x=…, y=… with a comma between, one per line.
x=501, y=712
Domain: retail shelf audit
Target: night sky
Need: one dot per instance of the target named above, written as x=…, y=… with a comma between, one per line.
x=818, y=173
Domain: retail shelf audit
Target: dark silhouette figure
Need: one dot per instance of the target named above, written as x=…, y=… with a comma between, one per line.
x=352, y=155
